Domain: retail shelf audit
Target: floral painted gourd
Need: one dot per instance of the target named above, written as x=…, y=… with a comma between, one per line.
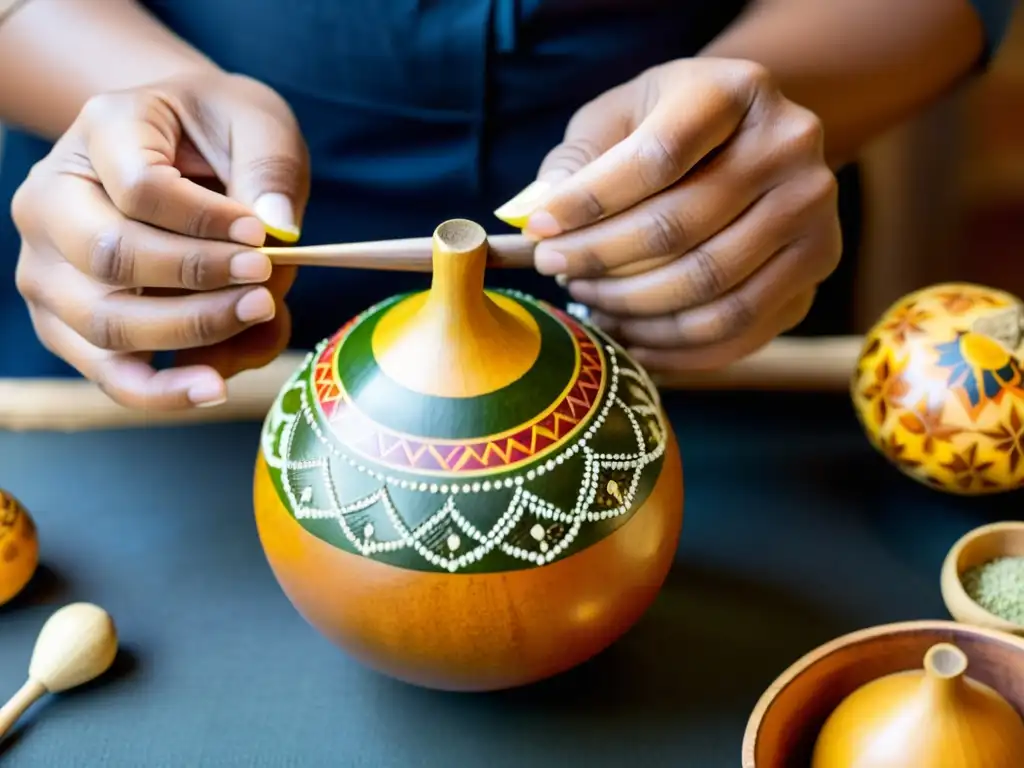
x=469, y=489
x=939, y=390
x=19, y=547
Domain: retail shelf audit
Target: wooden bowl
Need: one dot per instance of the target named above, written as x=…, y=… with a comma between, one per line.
x=787, y=719
x=1004, y=539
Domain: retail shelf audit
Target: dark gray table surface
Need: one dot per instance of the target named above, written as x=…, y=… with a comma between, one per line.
x=795, y=532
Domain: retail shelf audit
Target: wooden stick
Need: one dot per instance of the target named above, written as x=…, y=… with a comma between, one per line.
x=409, y=255
x=60, y=405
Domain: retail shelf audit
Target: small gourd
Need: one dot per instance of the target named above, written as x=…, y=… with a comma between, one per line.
x=19, y=547
x=939, y=389
x=935, y=717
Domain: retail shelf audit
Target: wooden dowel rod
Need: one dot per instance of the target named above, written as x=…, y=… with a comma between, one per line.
x=61, y=405
x=410, y=255
x=12, y=711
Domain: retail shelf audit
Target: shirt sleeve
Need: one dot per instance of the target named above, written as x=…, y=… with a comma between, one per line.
x=996, y=16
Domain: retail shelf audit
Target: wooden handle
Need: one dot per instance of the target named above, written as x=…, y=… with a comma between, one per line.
x=409, y=255
x=59, y=405
x=12, y=711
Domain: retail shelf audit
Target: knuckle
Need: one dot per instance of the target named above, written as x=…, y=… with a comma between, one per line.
x=573, y=154
x=138, y=195
x=589, y=264
x=21, y=207
x=748, y=83
x=658, y=161
x=106, y=330
x=752, y=74
x=823, y=186
x=194, y=272
x=733, y=318
x=275, y=173
x=665, y=233
x=199, y=222
x=111, y=259
x=27, y=283
x=97, y=108
x=805, y=134
x=705, y=279
x=199, y=328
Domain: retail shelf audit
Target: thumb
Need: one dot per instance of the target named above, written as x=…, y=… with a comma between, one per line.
x=259, y=152
x=270, y=172
x=592, y=131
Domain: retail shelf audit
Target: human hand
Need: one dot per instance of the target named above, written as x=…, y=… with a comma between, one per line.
x=128, y=248
x=691, y=209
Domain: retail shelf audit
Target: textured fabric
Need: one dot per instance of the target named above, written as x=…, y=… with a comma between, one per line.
x=996, y=16
x=795, y=532
x=414, y=112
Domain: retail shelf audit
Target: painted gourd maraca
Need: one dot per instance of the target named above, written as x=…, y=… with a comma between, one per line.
x=19, y=547
x=938, y=388
x=468, y=489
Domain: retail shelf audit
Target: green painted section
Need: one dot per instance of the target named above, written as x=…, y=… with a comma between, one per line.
x=343, y=484
x=390, y=404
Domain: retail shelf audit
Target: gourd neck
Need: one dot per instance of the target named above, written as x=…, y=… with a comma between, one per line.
x=456, y=340
x=459, y=267
x=945, y=666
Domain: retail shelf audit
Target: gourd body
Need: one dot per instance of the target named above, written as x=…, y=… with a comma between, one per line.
x=927, y=718
x=469, y=489
x=19, y=547
x=939, y=388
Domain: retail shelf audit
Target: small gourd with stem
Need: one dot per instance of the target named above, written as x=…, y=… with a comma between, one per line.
x=75, y=646
x=935, y=717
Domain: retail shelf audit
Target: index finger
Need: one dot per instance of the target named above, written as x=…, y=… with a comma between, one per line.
x=131, y=143
x=666, y=145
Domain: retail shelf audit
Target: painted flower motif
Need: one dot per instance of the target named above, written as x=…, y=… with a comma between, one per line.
x=979, y=369
x=968, y=472
x=927, y=421
x=887, y=389
x=862, y=362
x=959, y=302
x=907, y=320
x=894, y=449
x=1009, y=438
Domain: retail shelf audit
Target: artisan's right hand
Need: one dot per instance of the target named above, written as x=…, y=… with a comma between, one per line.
x=123, y=254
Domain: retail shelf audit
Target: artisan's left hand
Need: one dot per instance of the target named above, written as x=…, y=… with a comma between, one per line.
x=708, y=189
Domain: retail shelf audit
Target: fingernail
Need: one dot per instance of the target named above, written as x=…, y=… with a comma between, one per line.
x=517, y=210
x=561, y=280
x=278, y=216
x=248, y=230
x=549, y=262
x=207, y=393
x=255, y=307
x=543, y=224
x=250, y=267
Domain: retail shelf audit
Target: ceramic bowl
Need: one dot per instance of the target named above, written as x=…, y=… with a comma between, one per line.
x=787, y=719
x=974, y=548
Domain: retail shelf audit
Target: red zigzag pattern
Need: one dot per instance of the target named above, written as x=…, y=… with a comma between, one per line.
x=356, y=431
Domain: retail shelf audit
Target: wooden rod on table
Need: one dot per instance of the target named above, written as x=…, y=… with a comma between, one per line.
x=414, y=254
x=58, y=405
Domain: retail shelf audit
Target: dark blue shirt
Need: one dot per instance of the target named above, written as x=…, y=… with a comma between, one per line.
x=415, y=111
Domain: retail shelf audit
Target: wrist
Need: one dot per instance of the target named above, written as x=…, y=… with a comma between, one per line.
x=57, y=54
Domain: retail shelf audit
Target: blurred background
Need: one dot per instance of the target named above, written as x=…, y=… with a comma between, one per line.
x=944, y=193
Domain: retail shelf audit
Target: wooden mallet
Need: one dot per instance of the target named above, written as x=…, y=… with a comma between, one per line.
x=75, y=646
